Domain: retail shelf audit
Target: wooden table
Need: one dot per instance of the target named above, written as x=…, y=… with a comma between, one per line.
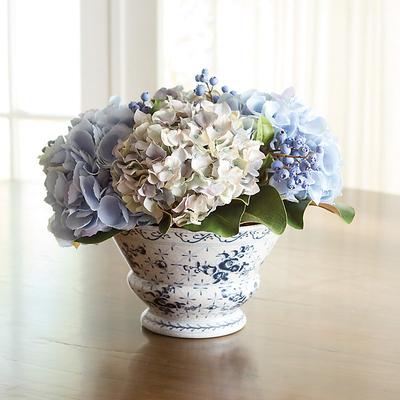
x=325, y=323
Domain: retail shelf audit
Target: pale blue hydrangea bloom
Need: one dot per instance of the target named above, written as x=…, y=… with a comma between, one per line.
x=299, y=133
x=78, y=181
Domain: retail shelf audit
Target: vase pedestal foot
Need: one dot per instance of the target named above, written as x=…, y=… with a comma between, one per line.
x=193, y=328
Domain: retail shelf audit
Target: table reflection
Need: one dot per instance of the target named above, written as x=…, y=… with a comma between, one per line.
x=199, y=368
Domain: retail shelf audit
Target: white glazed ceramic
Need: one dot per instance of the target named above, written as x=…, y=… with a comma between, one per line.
x=194, y=282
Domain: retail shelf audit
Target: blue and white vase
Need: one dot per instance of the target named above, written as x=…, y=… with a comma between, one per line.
x=194, y=282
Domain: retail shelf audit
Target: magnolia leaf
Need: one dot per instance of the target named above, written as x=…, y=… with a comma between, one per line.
x=268, y=160
x=295, y=212
x=266, y=207
x=265, y=131
x=98, y=237
x=266, y=165
x=245, y=198
x=224, y=221
x=165, y=223
x=344, y=211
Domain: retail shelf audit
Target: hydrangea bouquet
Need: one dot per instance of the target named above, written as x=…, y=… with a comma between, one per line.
x=206, y=159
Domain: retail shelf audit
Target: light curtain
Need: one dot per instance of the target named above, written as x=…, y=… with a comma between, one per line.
x=342, y=57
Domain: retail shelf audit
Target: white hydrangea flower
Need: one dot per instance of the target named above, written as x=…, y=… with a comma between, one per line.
x=186, y=159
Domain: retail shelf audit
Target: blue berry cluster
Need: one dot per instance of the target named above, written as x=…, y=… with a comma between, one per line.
x=207, y=84
x=294, y=162
x=141, y=105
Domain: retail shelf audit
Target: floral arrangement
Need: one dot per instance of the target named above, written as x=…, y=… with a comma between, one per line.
x=203, y=160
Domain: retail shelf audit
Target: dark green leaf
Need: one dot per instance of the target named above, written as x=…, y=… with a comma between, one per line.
x=295, y=212
x=165, y=223
x=344, y=211
x=265, y=131
x=98, y=237
x=266, y=207
x=266, y=165
x=224, y=221
x=245, y=198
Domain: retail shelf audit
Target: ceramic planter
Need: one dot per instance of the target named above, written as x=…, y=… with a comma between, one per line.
x=194, y=282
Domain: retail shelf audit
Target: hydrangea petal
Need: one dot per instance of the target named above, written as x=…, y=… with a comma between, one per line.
x=58, y=228
x=314, y=126
x=270, y=108
x=255, y=103
x=110, y=212
x=81, y=139
x=60, y=188
x=109, y=141
x=205, y=118
x=90, y=190
x=330, y=160
x=76, y=221
x=92, y=228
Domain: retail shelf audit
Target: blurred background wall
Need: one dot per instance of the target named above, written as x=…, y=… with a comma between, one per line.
x=342, y=56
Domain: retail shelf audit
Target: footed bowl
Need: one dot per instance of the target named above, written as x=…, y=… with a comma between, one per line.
x=194, y=282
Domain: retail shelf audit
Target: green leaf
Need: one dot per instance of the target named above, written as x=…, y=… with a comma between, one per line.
x=265, y=166
x=295, y=212
x=98, y=237
x=224, y=221
x=347, y=213
x=265, y=131
x=165, y=223
x=245, y=198
x=157, y=105
x=268, y=160
x=266, y=207
x=344, y=211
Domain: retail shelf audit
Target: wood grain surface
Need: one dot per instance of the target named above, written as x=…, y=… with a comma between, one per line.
x=325, y=324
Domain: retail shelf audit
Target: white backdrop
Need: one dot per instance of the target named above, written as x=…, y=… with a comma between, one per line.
x=342, y=57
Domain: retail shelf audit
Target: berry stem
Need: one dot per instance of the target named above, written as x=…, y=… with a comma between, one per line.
x=209, y=90
x=280, y=155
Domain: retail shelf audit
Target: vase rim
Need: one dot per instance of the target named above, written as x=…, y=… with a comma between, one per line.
x=243, y=228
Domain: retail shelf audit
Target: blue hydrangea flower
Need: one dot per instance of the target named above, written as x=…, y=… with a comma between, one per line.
x=309, y=153
x=78, y=180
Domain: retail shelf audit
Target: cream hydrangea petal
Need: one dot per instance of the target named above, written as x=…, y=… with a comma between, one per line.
x=205, y=118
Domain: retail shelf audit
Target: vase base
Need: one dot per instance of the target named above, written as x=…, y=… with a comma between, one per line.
x=224, y=325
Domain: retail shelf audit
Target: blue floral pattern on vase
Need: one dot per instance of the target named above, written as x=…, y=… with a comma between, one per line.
x=194, y=282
